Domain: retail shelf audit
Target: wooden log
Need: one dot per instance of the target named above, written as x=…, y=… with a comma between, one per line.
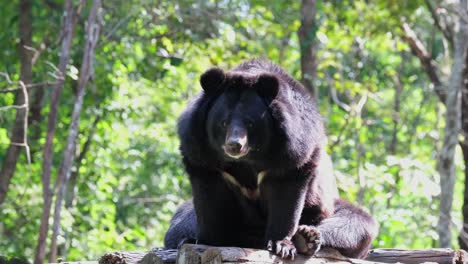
x=436, y=255
x=159, y=256
x=154, y=256
x=77, y=262
x=129, y=257
x=202, y=254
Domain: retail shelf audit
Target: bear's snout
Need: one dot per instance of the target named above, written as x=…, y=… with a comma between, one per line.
x=236, y=142
x=235, y=150
x=233, y=147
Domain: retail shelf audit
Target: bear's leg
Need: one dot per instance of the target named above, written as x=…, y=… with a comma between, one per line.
x=285, y=200
x=183, y=228
x=350, y=230
x=216, y=208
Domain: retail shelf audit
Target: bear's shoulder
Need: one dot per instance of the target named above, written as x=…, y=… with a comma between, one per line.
x=192, y=135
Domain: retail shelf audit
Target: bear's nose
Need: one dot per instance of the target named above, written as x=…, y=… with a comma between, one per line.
x=233, y=147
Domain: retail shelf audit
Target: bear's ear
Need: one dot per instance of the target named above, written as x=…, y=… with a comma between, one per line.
x=267, y=86
x=211, y=79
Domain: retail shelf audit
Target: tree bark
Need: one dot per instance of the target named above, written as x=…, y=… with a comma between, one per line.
x=71, y=188
x=92, y=35
x=463, y=237
x=418, y=49
x=35, y=120
x=396, y=123
x=445, y=29
x=18, y=130
x=71, y=185
x=446, y=164
x=68, y=27
x=429, y=65
x=435, y=255
x=35, y=117
x=154, y=256
x=209, y=254
x=307, y=41
x=396, y=106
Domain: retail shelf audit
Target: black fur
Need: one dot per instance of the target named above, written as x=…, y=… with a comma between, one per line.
x=277, y=123
x=183, y=226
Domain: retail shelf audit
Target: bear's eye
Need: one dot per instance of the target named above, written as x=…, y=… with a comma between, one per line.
x=224, y=123
x=250, y=124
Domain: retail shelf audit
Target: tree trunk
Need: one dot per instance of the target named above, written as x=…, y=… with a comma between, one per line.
x=35, y=117
x=17, y=132
x=396, y=107
x=71, y=185
x=417, y=48
x=463, y=237
x=396, y=123
x=92, y=35
x=68, y=27
x=35, y=120
x=307, y=40
x=446, y=163
x=71, y=189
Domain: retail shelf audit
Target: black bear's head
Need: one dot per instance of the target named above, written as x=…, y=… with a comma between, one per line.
x=239, y=122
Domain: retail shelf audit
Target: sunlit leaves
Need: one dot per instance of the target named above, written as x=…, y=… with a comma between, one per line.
x=147, y=67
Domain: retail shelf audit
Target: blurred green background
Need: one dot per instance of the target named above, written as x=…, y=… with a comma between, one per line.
x=384, y=121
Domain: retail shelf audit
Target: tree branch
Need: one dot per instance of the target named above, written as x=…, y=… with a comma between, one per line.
x=24, y=106
x=28, y=86
x=446, y=31
x=418, y=50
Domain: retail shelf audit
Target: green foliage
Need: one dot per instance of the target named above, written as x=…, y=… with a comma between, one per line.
x=147, y=65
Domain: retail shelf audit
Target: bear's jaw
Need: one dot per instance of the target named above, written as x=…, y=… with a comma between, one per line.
x=238, y=156
x=243, y=152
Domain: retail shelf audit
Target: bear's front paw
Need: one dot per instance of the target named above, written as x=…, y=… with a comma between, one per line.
x=283, y=248
x=307, y=240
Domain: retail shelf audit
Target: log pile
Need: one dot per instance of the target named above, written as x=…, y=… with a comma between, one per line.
x=198, y=254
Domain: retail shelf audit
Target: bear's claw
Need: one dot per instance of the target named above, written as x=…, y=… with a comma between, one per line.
x=283, y=248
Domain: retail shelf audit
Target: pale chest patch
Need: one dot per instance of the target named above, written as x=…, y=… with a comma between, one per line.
x=249, y=193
